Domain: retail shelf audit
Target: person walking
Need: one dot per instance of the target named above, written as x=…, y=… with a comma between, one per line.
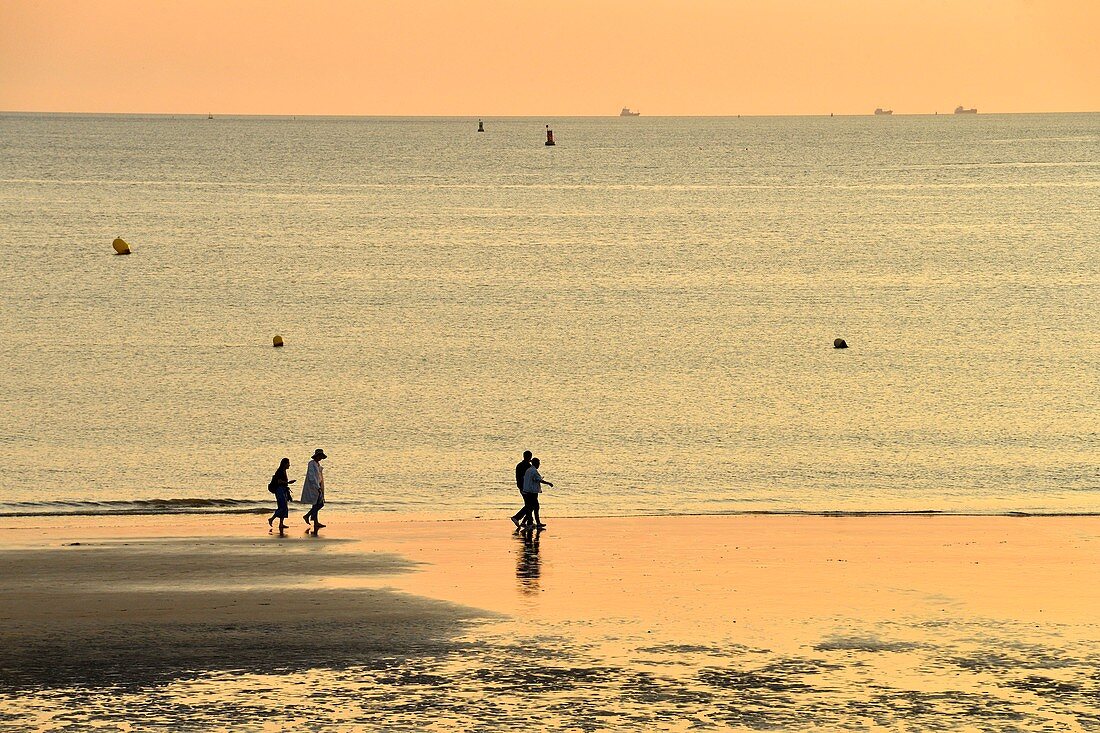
x=280, y=486
x=313, y=489
x=521, y=470
x=532, y=487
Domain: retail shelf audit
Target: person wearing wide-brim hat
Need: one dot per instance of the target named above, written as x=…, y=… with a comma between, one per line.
x=313, y=488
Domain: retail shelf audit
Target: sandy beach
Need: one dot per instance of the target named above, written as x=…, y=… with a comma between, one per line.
x=671, y=623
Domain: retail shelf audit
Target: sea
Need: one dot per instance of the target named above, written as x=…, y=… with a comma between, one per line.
x=650, y=306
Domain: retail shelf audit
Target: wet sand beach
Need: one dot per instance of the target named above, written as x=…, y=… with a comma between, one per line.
x=671, y=623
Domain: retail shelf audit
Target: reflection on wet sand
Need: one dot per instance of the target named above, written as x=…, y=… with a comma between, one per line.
x=528, y=567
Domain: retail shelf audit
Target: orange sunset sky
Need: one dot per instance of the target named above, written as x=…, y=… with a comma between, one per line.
x=560, y=57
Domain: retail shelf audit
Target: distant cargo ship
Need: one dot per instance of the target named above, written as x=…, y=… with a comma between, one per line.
x=627, y=113
x=960, y=111
x=881, y=111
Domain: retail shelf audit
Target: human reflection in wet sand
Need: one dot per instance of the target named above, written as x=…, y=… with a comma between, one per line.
x=528, y=567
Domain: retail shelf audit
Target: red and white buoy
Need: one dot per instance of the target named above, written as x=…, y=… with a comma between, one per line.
x=549, y=136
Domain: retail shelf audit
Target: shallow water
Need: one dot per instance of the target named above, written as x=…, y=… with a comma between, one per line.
x=650, y=306
x=554, y=684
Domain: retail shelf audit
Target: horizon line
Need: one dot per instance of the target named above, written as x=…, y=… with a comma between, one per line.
x=523, y=116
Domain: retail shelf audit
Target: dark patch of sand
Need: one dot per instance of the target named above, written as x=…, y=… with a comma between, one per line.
x=140, y=612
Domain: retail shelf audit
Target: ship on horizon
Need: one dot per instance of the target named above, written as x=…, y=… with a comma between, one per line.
x=881, y=111
x=626, y=112
x=960, y=110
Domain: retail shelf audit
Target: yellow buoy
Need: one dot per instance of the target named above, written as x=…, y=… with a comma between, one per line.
x=121, y=248
x=277, y=341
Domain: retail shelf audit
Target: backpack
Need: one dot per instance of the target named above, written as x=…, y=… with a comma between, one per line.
x=271, y=486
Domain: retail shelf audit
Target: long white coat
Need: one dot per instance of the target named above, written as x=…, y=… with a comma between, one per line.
x=311, y=487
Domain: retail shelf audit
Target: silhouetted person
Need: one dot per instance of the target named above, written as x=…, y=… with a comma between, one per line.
x=280, y=486
x=313, y=489
x=521, y=471
x=532, y=487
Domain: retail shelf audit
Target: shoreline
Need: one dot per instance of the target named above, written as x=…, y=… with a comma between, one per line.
x=203, y=508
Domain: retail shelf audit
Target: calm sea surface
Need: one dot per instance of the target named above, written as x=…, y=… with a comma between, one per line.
x=650, y=306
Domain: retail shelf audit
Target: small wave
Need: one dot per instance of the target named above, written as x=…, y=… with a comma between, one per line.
x=894, y=513
x=135, y=506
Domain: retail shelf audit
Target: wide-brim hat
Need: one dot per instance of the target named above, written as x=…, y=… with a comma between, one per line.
x=319, y=454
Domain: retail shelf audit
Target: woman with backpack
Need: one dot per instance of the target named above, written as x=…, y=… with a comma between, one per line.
x=280, y=487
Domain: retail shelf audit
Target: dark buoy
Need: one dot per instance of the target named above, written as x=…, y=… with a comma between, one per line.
x=480, y=126
x=549, y=136
x=121, y=248
x=277, y=341
x=840, y=344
